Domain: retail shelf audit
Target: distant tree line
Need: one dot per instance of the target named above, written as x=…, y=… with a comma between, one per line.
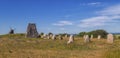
x=95, y=33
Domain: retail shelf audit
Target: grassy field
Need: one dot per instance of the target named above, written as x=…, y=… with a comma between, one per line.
x=16, y=46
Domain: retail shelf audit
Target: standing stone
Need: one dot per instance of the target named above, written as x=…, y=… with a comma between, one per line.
x=44, y=36
x=91, y=37
x=86, y=39
x=60, y=37
x=66, y=36
x=32, y=31
x=84, y=36
x=71, y=39
x=110, y=38
x=48, y=37
x=53, y=37
x=99, y=37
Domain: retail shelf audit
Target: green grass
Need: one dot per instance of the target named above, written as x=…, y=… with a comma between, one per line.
x=17, y=46
x=113, y=53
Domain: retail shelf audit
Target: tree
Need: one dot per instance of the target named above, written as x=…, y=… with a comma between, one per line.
x=101, y=32
x=41, y=33
x=50, y=33
x=81, y=34
x=95, y=33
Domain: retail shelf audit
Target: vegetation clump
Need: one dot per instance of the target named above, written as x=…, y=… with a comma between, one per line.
x=103, y=33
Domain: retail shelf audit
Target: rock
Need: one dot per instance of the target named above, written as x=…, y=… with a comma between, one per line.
x=91, y=37
x=71, y=39
x=66, y=36
x=86, y=39
x=54, y=37
x=99, y=37
x=44, y=36
x=48, y=37
x=10, y=51
x=84, y=36
x=60, y=37
x=110, y=38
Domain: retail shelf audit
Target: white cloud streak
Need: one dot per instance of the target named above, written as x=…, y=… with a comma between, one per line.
x=105, y=17
x=97, y=21
x=113, y=10
x=109, y=14
x=62, y=28
x=91, y=4
x=63, y=23
x=94, y=3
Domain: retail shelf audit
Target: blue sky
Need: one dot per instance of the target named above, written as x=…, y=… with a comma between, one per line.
x=59, y=16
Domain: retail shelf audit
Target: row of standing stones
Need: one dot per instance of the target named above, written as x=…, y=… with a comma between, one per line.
x=110, y=38
x=32, y=33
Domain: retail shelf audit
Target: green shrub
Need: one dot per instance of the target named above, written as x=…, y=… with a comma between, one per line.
x=101, y=32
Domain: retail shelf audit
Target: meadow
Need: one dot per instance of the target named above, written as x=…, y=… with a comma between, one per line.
x=17, y=46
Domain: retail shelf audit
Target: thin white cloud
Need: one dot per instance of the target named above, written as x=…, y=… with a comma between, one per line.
x=97, y=21
x=94, y=21
x=63, y=23
x=113, y=10
x=91, y=4
x=107, y=15
x=94, y=3
x=62, y=28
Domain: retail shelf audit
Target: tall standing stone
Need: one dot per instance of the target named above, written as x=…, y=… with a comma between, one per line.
x=48, y=37
x=66, y=36
x=54, y=37
x=60, y=37
x=32, y=31
x=99, y=37
x=91, y=37
x=44, y=36
x=71, y=39
x=84, y=36
x=86, y=39
x=110, y=38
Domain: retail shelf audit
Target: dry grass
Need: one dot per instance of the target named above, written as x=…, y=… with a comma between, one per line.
x=16, y=46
